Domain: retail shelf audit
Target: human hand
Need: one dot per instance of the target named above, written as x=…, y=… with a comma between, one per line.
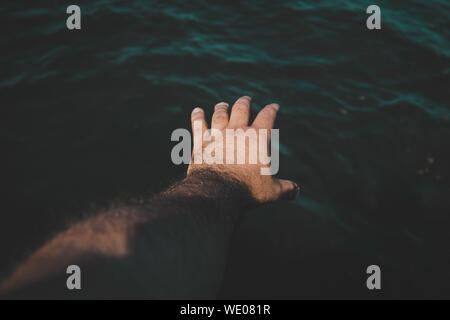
x=213, y=149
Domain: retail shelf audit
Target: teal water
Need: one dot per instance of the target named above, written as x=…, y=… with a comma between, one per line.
x=86, y=117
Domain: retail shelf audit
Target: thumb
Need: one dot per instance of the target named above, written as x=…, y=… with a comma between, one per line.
x=289, y=190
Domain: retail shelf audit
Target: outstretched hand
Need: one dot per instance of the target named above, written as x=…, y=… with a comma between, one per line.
x=264, y=188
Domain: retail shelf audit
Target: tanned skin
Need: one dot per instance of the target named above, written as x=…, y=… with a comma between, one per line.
x=172, y=246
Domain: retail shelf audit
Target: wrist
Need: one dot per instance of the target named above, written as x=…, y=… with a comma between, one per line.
x=220, y=186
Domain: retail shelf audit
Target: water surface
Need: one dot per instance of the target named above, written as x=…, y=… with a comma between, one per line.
x=86, y=117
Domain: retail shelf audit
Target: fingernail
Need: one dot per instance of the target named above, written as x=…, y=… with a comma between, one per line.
x=295, y=192
x=222, y=104
x=276, y=106
x=197, y=110
x=247, y=97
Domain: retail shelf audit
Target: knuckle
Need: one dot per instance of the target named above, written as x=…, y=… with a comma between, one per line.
x=266, y=117
x=220, y=113
x=242, y=108
x=220, y=118
x=197, y=118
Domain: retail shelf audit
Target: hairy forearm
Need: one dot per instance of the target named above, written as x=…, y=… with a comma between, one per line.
x=186, y=244
x=171, y=246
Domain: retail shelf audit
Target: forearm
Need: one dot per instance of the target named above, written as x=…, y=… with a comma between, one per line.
x=171, y=246
x=185, y=244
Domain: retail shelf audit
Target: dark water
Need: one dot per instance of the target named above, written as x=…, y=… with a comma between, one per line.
x=86, y=117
